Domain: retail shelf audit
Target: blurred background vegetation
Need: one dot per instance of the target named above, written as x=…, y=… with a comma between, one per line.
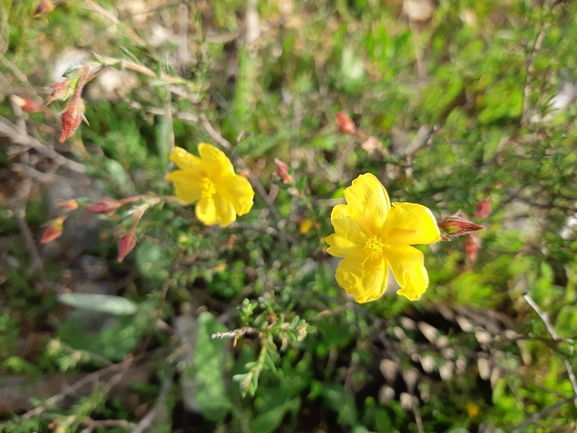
x=469, y=106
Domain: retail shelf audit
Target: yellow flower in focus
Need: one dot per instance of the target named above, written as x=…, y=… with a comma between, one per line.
x=372, y=235
x=211, y=181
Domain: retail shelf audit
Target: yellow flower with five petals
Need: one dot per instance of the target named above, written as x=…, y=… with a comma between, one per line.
x=371, y=234
x=211, y=181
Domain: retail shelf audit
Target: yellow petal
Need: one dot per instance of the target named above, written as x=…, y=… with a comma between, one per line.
x=238, y=191
x=349, y=237
x=409, y=224
x=186, y=185
x=368, y=203
x=407, y=264
x=216, y=162
x=186, y=161
x=206, y=211
x=365, y=279
x=224, y=211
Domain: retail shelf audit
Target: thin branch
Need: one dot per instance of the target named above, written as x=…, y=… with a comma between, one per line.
x=125, y=64
x=10, y=130
x=46, y=178
x=21, y=76
x=106, y=423
x=535, y=417
x=212, y=132
x=37, y=264
x=530, y=70
x=108, y=15
x=545, y=319
x=147, y=420
x=93, y=377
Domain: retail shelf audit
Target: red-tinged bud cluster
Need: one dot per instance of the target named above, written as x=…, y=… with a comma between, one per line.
x=106, y=206
x=53, y=230
x=345, y=123
x=483, y=208
x=472, y=246
x=71, y=90
x=244, y=173
x=44, y=7
x=454, y=226
x=126, y=244
x=72, y=117
x=26, y=104
x=283, y=171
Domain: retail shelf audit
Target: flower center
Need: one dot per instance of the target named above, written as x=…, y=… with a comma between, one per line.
x=374, y=247
x=207, y=187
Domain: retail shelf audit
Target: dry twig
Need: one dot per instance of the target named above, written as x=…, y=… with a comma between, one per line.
x=10, y=130
x=93, y=377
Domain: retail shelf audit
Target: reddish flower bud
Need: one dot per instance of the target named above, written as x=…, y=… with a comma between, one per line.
x=126, y=243
x=370, y=144
x=45, y=7
x=27, y=105
x=72, y=117
x=61, y=91
x=53, y=230
x=106, y=206
x=283, y=171
x=244, y=173
x=472, y=246
x=454, y=226
x=483, y=208
x=345, y=123
x=69, y=205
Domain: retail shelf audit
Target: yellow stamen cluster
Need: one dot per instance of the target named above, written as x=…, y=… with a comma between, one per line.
x=207, y=187
x=374, y=247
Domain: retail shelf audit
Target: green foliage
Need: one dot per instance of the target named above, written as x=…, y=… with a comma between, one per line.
x=273, y=343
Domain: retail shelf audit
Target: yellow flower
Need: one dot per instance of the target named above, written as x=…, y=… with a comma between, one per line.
x=305, y=226
x=211, y=180
x=372, y=235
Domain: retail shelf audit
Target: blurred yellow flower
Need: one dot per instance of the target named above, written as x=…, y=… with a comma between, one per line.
x=211, y=181
x=305, y=226
x=473, y=409
x=372, y=235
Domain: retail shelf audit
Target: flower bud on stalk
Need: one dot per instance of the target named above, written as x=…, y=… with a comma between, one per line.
x=126, y=244
x=345, y=123
x=26, y=104
x=44, y=8
x=283, y=171
x=454, y=226
x=72, y=117
x=472, y=246
x=483, y=208
x=69, y=205
x=370, y=144
x=106, y=206
x=53, y=229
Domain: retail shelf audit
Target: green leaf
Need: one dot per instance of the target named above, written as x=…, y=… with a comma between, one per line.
x=208, y=364
x=114, y=305
x=270, y=420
